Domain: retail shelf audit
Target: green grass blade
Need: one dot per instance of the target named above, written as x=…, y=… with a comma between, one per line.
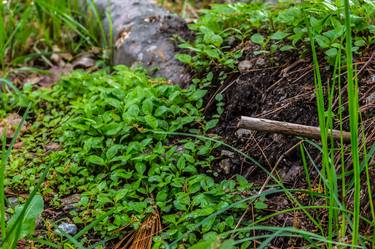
x=4, y=161
x=93, y=224
x=353, y=116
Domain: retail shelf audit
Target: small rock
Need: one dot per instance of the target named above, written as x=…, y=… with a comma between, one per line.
x=13, y=202
x=241, y=133
x=245, y=66
x=260, y=62
x=227, y=153
x=370, y=99
x=231, y=40
x=67, y=228
x=225, y=165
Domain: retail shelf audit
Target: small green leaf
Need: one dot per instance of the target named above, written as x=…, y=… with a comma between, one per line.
x=161, y=196
x=112, y=129
x=121, y=194
x=140, y=167
x=360, y=42
x=113, y=150
x=214, y=53
x=182, y=201
x=184, y=58
x=147, y=106
x=228, y=244
x=279, y=35
x=257, y=39
x=211, y=124
x=286, y=48
x=322, y=41
x=93, y=159
x=161, y=110
x=181, y=163
x=204, y=244
x=260, y=205
x=151, y=121
x=332, y=52
x=198, y=94
x=219, y=97
x=133, y=111
x=211, y=38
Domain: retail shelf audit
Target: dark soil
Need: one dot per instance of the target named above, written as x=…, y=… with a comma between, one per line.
x=281, y=87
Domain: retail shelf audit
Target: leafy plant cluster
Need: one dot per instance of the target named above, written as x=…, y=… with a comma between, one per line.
x=119, y=155
x=282, y=27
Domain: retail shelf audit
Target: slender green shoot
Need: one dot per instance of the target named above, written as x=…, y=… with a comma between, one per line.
x=353, y=121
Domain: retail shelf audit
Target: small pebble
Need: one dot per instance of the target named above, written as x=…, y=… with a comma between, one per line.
x=370, y=99
x=241, y=133
x=67, y=228
x=260, y=61
x=225, y=165
x=227, y=153
x=245, y=66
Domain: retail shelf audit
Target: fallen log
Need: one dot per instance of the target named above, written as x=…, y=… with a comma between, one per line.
x=266, y=125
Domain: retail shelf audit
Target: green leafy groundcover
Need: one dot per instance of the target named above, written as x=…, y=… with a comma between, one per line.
x=276, y=28
x=112, y=157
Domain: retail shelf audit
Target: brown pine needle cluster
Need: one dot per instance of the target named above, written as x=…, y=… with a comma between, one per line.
x=143, y=237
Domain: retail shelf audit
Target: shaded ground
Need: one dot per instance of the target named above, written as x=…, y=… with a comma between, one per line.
x=278, y=87
x=281, y=87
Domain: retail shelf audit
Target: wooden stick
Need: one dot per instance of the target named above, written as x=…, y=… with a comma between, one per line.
x=266, y=125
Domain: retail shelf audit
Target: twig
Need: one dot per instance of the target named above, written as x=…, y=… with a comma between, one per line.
x=267, y=125
x=277, y=164
x=367, y=63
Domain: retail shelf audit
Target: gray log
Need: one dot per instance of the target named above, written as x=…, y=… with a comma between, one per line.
x=143, y=35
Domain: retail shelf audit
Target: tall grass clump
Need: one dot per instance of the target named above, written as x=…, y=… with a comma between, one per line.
x=326, y=114
x=29, y=29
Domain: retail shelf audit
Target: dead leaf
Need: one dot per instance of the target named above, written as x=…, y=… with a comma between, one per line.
x=53, y=147
x=10, y=123
x=18, y=145
x=55, y=74
x=84, y=61
x=60, y=58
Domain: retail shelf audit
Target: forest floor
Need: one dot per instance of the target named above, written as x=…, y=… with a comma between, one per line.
x=131, y=161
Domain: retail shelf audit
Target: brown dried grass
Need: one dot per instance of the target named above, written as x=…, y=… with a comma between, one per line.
x=142, y=237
